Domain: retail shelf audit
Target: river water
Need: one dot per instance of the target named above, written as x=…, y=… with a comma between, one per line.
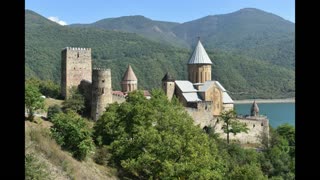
x=277, y=113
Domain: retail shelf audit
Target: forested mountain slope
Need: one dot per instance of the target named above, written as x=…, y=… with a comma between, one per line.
x=244, y=76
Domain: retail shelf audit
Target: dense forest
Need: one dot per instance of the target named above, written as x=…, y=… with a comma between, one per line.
x=244, y=75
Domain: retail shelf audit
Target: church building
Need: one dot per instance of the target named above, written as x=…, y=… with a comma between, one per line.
x=199, y=91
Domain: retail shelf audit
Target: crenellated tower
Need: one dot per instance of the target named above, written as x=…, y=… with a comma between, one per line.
x=199, y=65
x=129, y=81
x=101, y=92
x=76, y=65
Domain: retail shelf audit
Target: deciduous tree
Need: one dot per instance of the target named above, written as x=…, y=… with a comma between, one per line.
x=33, y=100
x=72, y=132
x=231, y=124
x=156, y=139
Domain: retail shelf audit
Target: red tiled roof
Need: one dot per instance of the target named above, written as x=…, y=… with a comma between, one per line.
x=118, y=93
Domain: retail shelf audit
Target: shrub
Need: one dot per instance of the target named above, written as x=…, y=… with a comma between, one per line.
x=52, y=110
x=72, y=132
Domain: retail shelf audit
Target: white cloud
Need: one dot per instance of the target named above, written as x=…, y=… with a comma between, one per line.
x=57, y=20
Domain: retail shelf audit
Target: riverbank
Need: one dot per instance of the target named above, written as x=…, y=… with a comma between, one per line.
x=249, y=101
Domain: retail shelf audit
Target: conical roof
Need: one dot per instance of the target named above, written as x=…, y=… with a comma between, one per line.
x=199, y=55
x=254, y=108
x=129, y=75
x=167, y=77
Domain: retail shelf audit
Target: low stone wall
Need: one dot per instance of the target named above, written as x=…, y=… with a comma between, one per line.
x=257, y=126
x=118, y=99
x=202, y=117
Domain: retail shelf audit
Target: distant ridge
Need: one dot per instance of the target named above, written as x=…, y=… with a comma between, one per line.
x=249, y=65
x=248, y=31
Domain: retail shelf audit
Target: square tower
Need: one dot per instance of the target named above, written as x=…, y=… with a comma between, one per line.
x=76, y=65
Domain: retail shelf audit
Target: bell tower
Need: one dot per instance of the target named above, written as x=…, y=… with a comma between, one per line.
x=199, y=65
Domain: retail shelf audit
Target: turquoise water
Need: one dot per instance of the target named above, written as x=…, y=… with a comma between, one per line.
x=277, y=113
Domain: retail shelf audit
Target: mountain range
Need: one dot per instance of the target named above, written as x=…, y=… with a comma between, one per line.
x=253, y=51
x=248, y=31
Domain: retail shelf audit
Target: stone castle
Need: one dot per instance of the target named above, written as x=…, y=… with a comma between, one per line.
x=203, y=97
x=94, y=83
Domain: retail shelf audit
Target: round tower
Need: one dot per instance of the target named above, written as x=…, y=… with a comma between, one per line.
x=199, y=65
x=129, y=81
x=254, y=109
x=101, y=92
x=168, y=85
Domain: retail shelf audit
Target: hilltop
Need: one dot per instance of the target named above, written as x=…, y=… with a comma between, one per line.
x=248, y=31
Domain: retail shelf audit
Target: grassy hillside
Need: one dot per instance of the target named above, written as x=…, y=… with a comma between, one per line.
x=55, y=163
x=150, y=60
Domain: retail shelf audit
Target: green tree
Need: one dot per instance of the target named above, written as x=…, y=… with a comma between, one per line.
x=156, y=139
x=278, y=161
x=52, y=110
x=75, y=102
x=49, y=89
x=33, y=100
x=287, y=131
x=231, y=124
x=72, y=132
x=46, y=87
x=247, y=172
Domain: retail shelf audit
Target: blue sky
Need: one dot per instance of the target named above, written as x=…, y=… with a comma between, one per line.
x=89, y=11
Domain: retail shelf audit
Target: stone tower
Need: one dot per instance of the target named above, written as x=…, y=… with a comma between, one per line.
x=254, y=109
x=168, y=85
x=129, y=81
x=199, y=65
x=76, y=65
x=101, y=92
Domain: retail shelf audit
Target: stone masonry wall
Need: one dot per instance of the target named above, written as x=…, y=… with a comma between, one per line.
x=199, y=73
x=256, y=125
x=101, y=92
x=118, y=99
x=76, y=65
x=168, y=88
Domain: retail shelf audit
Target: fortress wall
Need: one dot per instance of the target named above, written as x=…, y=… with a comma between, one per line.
x=227, y=107
x=201, y=116
x=118, y=99
x=256, y=126
x=256, y=129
